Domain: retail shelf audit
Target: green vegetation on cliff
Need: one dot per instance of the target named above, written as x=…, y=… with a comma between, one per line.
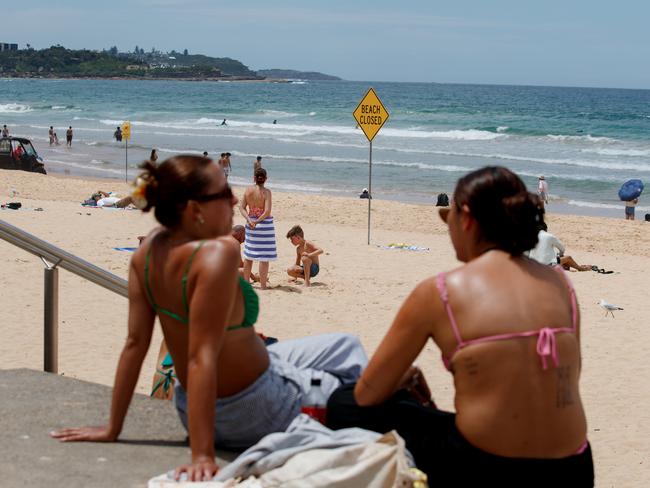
x=58, y=61
x=290, y=74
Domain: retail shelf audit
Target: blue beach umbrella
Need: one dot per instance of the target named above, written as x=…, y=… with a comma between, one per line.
x=630, y=190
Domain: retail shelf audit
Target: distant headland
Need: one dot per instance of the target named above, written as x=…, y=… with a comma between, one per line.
x=59, y=62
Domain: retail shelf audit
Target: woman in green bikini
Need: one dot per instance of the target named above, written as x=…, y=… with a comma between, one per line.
x=186, y=273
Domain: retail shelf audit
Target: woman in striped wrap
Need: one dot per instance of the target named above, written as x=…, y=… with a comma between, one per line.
x=255, y=206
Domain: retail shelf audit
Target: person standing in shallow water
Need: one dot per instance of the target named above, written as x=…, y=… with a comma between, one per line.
x=68, y=137
x=542, y=190
x=630, y=208
x=256, y=206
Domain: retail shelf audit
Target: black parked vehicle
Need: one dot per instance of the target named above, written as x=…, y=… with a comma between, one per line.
x=18, y=153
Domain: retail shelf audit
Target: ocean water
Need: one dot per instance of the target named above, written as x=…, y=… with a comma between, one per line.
x=585, y=141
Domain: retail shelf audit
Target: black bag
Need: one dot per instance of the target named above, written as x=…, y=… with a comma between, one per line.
x=443, y=200
x=14, y=205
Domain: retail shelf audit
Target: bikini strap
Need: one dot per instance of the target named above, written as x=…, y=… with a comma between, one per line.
x=444, y=296
x=186, y=305
x=572, y=296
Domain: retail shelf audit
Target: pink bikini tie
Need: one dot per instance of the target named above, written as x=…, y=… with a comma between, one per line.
x=546, y=346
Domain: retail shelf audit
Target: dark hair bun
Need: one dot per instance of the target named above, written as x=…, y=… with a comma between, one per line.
x=172, y=184
x=508, y=215
x=522, y=221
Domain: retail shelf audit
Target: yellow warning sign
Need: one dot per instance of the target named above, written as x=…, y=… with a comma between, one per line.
x=126, y=130
x=371, y=114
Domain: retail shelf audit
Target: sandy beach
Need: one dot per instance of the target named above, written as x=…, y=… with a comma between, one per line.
x=359, y=290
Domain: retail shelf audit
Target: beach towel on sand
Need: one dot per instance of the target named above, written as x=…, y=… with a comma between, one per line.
x=310, y=454
x=404, y=247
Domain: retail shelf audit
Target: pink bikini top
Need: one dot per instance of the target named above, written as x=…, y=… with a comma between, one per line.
x=255, y=212
x=546, y=345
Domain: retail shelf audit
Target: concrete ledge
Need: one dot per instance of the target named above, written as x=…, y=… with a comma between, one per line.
x=33, y=403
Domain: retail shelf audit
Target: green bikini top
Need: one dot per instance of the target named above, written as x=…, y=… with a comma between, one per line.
x=251, y=300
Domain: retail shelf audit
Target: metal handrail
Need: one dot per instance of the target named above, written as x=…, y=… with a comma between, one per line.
x=54, y=257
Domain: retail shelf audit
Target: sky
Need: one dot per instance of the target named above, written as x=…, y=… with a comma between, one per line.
x=562, y=43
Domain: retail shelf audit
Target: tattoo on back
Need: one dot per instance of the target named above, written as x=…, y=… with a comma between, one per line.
x=471, y=365
x=563, y=394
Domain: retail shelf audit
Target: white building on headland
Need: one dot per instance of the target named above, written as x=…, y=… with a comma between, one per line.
x=8, y=47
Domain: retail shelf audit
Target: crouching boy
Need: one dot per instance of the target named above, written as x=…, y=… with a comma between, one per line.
x=307, y=265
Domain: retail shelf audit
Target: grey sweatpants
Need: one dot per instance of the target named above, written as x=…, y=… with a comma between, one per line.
x=274, y=399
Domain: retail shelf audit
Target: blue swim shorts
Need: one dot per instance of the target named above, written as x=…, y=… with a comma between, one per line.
x=313, y=270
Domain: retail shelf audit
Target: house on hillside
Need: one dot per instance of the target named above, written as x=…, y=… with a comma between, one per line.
x=8, y=47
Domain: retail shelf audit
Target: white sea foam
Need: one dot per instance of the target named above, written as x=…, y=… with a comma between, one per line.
x=502, y=128
x=585, y=138
x=278, y=113
x=618, y=152
x=297, y=130
x=609, y=206
x=14, y=108
x=86, y=167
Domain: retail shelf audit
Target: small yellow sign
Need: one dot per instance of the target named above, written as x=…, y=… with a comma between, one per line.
x=371, y=114
x=126, y=130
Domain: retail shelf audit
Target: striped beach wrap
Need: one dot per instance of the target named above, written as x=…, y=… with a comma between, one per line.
x=260, y=241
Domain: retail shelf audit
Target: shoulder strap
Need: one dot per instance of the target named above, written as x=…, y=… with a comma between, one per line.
x=158, y=309
x=186, y=305
x=444, y=296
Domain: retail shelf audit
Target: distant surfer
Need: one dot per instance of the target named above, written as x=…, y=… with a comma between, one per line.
x=275, y=121
x=224, y=122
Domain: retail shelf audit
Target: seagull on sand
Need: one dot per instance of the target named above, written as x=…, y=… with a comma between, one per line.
x=609, y=308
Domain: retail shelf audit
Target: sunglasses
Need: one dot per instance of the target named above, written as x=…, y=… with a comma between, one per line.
x=225, y=194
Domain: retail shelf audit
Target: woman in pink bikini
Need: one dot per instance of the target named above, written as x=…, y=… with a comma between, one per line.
x=508, y=329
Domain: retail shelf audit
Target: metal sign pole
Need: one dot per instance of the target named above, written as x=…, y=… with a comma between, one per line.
x=369, y=189
x=126, y=161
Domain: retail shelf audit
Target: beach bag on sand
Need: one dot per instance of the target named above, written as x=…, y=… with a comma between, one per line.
x=379, y=464
x=443, y=200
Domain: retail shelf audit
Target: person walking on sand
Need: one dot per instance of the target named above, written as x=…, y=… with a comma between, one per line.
x=509, y=332
x=230, y=389
x=542, y=189
x=68, y=137
x=307, y=263
x=256, y=206
x=630, y=208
